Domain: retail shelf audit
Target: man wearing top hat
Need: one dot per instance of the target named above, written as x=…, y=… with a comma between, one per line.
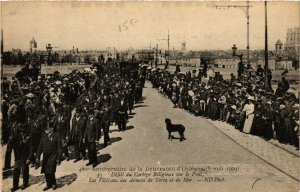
x=50, y=146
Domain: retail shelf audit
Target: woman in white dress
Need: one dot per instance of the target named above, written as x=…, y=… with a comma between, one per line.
x=248, y=109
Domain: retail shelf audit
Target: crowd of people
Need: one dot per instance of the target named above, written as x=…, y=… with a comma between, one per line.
x=243, y=102
x=48, y=113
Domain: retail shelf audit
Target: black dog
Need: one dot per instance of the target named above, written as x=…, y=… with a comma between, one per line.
x=175, y=128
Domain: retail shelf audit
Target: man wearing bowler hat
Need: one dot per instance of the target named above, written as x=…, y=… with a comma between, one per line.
x=50, y=146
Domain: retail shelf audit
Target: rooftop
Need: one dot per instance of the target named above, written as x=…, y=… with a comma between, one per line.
x=279, y=42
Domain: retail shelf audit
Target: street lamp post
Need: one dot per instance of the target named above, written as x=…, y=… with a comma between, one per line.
x=156, y=55
x=167, y=54
x=168, y=60
x=240, y=65
x=150, y=55
x=245, y=9
x=267, y=83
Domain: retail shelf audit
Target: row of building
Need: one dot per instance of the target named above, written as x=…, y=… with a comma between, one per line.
x=285, y=56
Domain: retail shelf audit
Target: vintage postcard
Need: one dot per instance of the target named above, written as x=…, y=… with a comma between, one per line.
x=150, y=96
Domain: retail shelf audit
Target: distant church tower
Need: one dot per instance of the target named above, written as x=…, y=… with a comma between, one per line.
x=33, y=45
x=278, y=46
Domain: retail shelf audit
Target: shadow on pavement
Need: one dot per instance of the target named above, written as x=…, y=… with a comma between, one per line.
x=7, y=173
x=114, y=130
x=115, y=139
x=137, y=106
x=62, y=181
x=129, y=127
x=178, y=138
x=112, y=140
x=103, y=158
x=36, y=180
x=66, y=180
x=131, y=115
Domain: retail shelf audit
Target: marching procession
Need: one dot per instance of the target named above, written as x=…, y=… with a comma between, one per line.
x=242, y=102
x=59, y=114
x=150, y=96
x=48, y=113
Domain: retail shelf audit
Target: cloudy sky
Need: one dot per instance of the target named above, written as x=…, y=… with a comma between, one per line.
x=136, y=24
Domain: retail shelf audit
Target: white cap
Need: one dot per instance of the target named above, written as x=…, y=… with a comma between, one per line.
x=251, y=98
x=30, y=95
x=58, y=83
x=281, y=106
x=296, y=105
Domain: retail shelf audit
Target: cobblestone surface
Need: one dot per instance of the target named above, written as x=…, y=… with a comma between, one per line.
x=286, y=147
x=287, y=162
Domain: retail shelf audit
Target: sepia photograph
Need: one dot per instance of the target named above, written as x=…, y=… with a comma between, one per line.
x=154, y=96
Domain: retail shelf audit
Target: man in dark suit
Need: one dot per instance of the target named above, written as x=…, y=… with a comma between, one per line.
x=131, y=97
x=76, y=137
x=121, y=115
x=105, y=122
x=91, y=137
x=50, y=146
x=61, y=127
x=13, y=118
x=114, y=106
x=21, y=146
x=35, y=123
x=9, y=148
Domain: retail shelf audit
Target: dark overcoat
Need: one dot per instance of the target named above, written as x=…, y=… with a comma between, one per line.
x=51, y=148
x=92, y=130
x=78, y=127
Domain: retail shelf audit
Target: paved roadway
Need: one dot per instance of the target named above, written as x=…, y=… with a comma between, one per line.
x=146, y=144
